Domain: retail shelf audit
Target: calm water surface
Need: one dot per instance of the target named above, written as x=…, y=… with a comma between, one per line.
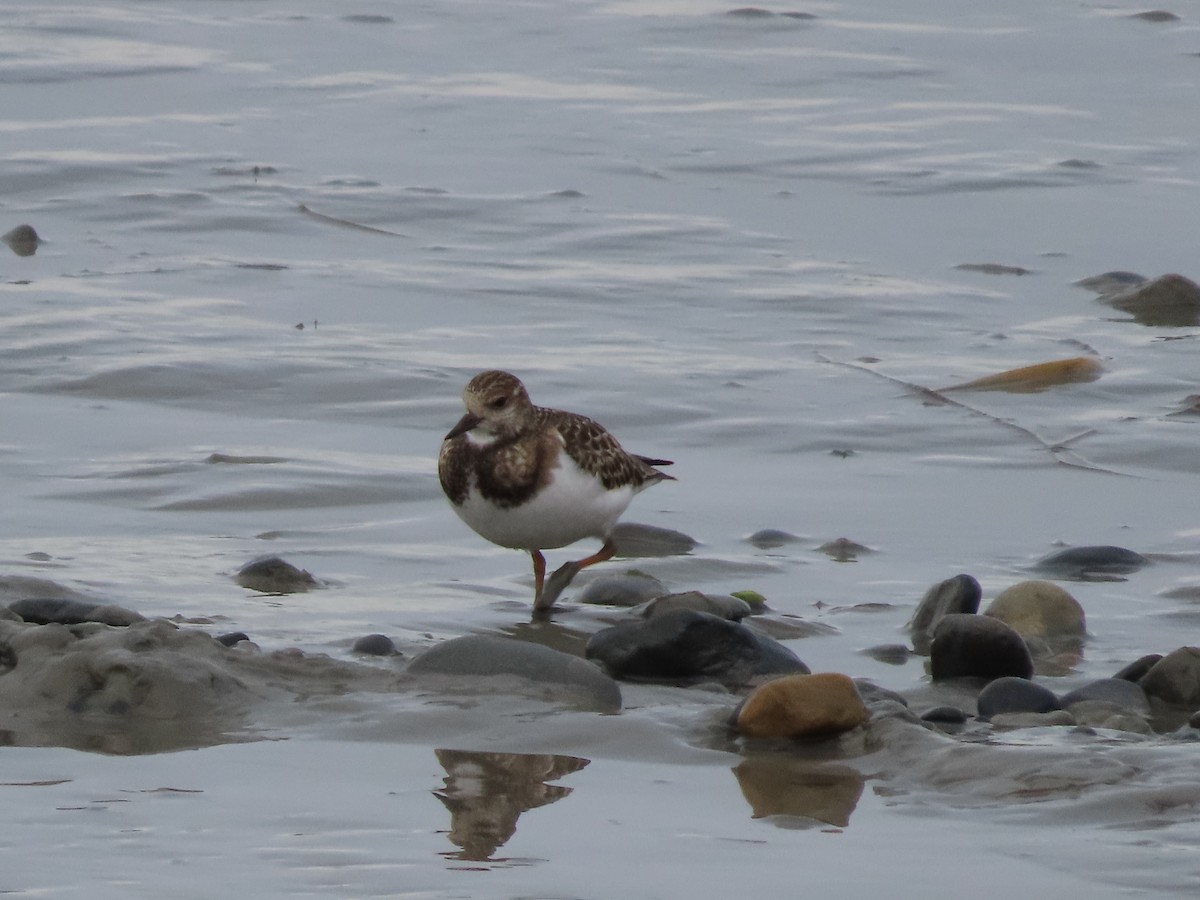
x=288, y=232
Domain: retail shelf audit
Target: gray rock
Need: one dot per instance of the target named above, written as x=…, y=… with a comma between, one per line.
x=966, y=646
x=22, y=240
x=1015, y=695
x=1090, y=563
x=1175, y=679
x=771, y=539
x=684, y=645
x=944, y=715
x=1139, y=667
x=273, y=575
x=649, y=540
x=1126, y=695
x=375, y=645
x=45, y=610
x=724, y=605
x=960, y=594
x=558, y=675
x=232, y=638
x=621, y=589
x=1057, y=718
x=1171, y=301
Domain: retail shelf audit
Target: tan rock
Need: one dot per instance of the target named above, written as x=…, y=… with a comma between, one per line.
x=797, y=706
x=1039, y=609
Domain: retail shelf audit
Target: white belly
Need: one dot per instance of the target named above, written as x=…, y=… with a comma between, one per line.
x=573, y=506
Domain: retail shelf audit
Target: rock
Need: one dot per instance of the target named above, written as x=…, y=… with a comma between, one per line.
x=684, y=645
x=1103, y=714
x=723, y=605
x=966, y=646
x=844, y=550
x=1139, y=667
x=22, y=240
x=802, y=706
x=1171, y=301
x=1015, y=695
x=623, y=589
x=772, y=539
x=1090, y=563
x=1127, y=696
x=44, y=610
x=233, y=637
x=273, y=575
x=1039, y=609
x=1175, y=679
x=944, y=715
x=889, y=654
x=542, y=670
x=959, y=594
x=375, y=645
x=649, y=540
x=1057, y=718
x=1112, y=282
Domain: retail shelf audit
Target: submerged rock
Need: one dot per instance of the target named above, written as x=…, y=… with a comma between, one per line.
x=772, y=539
x=22, y=240
x=65, y=611
x=1171, y=301
x=1175, y=679
x=1039, y=609
x=621, y=589
x=544, y=671
x=1015, y=695
x=966, y=646
x=273, y=575
x=945, y=715
x=650, y=540
x=802, y=706
x=685, y=645
x=960, y=594
x=1058, y=718
x=724, y=605
x=375, y=645
x=1124, y=694
x=1090, y=563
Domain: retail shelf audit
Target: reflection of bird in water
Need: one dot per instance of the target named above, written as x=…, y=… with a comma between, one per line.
x=487, y=792
x=532, y=478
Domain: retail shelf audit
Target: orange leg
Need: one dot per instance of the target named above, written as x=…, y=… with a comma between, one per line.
x=544, y=598
x=539, y=573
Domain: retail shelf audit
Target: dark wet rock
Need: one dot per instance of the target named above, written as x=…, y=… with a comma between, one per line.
x=684, y=645
x=557, y=676
x=966, y=646
x=1138, y=668
x=649, y=540
x=1171, y=301
x=1112, y=282
x=1015, y=695
x=45, y=610
x=1039, y=609
x=945, y=715
x=890, y=654
x=233, y=637
x=772, y=539
x=750, y=12
x=873, y=693
x=724, y=605
x=992, y=269
x=1194, y=721
x=1058, y=718
x=960, y=594
x=1125, y=694
x=1175, y=679
x=273, y=575
x=8, y=615
x=802, y=706
x=844, y=550
x=1090, y=563
x=22, y=240
x=375, y=645
x=1156, y=15
x=621, y=589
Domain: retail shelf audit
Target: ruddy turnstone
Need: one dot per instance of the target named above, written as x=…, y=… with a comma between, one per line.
x=533, y=478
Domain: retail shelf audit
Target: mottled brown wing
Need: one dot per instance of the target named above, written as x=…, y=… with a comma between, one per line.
x=598, y=452
x=454, y=469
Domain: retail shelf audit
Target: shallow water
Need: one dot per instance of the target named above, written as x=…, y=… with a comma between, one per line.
x=731, y=239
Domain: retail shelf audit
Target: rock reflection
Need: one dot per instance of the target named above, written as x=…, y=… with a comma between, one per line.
x=487, y=792
x=784, y=786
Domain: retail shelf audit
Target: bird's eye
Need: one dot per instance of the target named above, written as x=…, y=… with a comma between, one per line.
x=499, y=403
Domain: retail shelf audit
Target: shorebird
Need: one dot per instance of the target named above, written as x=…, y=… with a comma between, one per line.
x=535, y=479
